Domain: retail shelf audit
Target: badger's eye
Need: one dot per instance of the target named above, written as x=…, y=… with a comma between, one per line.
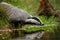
x=36, y=18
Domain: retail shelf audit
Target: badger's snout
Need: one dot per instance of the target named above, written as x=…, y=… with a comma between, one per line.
x=37, y=19
x=34, y=20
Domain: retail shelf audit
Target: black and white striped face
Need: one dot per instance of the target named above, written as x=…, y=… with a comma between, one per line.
x=34, y=20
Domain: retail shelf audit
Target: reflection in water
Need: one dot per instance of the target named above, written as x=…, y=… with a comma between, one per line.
x=32, y=36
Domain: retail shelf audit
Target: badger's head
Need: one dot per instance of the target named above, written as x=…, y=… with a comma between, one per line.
x=34, y=20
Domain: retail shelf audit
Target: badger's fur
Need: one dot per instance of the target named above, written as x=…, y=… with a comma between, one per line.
x=16, y=15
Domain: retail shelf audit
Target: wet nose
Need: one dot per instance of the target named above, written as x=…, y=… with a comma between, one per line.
x=41, y=24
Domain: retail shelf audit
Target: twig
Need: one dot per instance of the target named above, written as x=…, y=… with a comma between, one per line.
x=19, y=29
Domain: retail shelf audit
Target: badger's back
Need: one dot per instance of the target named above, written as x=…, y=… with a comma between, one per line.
x=13, y=12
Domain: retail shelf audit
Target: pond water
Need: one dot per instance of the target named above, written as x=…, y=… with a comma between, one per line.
x=31, y=36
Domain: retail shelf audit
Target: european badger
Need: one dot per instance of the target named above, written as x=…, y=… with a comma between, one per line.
x=16, y=15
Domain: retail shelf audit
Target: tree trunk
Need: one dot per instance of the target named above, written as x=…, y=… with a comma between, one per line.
x=45, y=8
